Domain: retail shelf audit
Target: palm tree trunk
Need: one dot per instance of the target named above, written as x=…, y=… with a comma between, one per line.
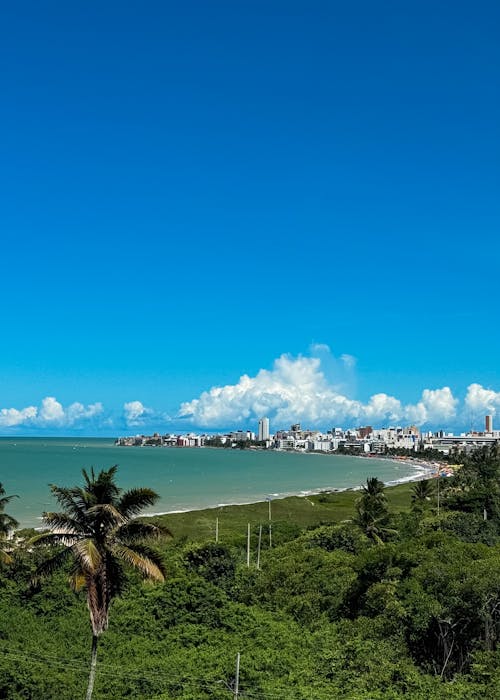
x=93, y=663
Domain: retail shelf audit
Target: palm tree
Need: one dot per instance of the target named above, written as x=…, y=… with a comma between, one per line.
x=372, y=515
x=374, y=489
x=374, y=526
x=7, y=525
x=98, y=532
x=421, y=494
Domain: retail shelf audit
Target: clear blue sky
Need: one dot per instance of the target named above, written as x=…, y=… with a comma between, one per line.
x=190, y=190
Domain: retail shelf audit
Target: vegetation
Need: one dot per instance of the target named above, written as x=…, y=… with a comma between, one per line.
x=363, y=595
x=97, y=530
x=372, y=514
x=7, y=525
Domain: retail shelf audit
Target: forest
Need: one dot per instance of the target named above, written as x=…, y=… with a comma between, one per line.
x=378, y=593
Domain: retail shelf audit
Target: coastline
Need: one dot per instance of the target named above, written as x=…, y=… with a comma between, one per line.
x=424, y=470
x=191, y=480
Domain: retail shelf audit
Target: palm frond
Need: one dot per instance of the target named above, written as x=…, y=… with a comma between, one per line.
x=102, y=488
x=7, y=523
x=87, y=555
x=135, y=530
x=5, y=557
x=50, y=565
x=142, y=558
x=63, y=524
x=108, y=516
x=132, y=502
x=53, y=539
x=71, y=500
x=77, y=580
x=6, y=499
x=115, y=576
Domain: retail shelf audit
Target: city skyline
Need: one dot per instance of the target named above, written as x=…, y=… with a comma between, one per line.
x=364, y=441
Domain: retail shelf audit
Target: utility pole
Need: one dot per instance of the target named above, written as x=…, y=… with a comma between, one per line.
x=258, y=546
x=248, y=544
x=439, y=479
x=270, y=526
x=216, y=530
x=237, y=677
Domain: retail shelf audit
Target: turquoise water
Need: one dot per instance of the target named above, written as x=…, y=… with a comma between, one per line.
x=184, y=478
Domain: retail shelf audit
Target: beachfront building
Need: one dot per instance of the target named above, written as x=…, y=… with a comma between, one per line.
x=264, y=433
x=190, y=440
x=242, y=435
x=459, y=443
x=362, y=440
x=324, y=444
x=398, y=438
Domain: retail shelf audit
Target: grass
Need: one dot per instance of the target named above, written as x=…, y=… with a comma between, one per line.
x=199, y=525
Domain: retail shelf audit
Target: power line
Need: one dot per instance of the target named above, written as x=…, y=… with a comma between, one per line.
x=165, y=677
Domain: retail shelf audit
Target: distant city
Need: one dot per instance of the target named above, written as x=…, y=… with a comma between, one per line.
x=363, y=440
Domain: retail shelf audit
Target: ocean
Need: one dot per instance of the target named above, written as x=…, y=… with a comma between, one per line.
x=185, y=478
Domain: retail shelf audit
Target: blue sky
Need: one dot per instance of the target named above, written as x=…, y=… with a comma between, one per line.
x=190, y=192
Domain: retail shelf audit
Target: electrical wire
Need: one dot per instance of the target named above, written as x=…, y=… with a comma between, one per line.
x=164, y=677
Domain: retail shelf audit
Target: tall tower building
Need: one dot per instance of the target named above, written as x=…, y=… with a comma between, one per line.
x=263, y=429
x=488, y=424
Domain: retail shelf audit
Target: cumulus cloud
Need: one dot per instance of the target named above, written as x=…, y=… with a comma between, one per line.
x=317, y=390
x=436, y=405
x=50, y=413
x=135, y=413
x=10, y=417
x=77, y=411
x=481, y=400
x=296, y=388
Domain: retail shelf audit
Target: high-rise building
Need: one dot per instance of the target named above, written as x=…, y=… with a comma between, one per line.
x=263, y=429
x=488, y=424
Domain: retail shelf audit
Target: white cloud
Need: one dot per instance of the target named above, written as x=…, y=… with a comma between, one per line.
x=382, y=405
x=50, y=413
x=53, y=413
x=481, y=400
x=319, y=347
x=436, y=405
x=135, y=413
x=10, y=417
x=348, y=360
x=77, y=411
x=314, y=390
x=296, y=388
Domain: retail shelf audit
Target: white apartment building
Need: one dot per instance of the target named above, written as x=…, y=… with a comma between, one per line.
x=263, y=429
